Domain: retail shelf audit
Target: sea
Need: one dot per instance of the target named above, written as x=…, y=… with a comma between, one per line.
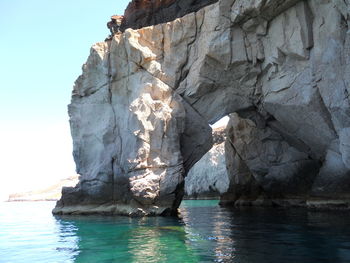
x=203, y=232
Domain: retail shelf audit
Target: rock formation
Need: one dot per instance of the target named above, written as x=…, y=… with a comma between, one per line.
x=140, y=111
x=208, y=177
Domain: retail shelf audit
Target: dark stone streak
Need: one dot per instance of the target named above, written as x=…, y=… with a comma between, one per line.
x=142, y=13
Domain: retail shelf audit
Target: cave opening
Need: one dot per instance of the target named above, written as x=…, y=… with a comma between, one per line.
x=208, y=179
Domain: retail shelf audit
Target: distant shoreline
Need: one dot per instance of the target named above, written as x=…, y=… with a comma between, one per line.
x=26, y=200
x=51, y=193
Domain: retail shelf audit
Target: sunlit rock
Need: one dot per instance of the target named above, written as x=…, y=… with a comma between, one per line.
x=140, y=111
x=208, y=177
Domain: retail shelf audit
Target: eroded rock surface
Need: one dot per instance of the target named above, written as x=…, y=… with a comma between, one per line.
x=140, y=110
x=134, y=137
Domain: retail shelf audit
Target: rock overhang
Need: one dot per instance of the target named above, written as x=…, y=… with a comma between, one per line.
x=140, y=111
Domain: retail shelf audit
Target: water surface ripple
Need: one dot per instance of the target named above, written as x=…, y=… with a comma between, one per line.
x=204, y=233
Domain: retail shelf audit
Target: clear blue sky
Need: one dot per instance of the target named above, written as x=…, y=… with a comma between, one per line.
x=43, y=45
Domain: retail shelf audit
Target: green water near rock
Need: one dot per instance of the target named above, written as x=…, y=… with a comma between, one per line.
x=203, y=233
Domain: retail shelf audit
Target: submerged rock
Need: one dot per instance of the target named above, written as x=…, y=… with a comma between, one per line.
x=140, y=111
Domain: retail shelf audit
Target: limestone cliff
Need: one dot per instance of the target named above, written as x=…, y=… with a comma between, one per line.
x=140, y=110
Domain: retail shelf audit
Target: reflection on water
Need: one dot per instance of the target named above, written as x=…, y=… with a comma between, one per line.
x=204, y=233
x=122, y=239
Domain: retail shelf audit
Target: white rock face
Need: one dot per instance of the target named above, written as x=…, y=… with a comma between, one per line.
x=208, y=177
x=140, y=111
x=130, y=132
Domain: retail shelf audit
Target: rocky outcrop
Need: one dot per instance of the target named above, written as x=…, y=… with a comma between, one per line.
x=286, y=150
x=134, y=138
x=208, y=177
x=139, y=112
x=264, y=167
x=142, y=13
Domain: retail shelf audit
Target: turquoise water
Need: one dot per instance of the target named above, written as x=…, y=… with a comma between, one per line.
x=204, y=233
